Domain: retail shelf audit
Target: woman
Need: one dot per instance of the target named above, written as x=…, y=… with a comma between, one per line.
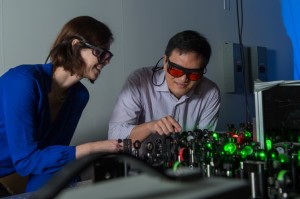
x=40, y=105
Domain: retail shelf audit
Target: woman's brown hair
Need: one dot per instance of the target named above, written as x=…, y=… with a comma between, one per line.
x=85, y=29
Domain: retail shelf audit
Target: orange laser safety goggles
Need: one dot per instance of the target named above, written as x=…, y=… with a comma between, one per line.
x=177, y=71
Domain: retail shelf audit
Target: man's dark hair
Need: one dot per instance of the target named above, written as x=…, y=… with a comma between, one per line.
x=189, y=41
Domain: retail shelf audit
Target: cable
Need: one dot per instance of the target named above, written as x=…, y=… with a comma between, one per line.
x=61, y=179
x=154, y=70
x=240, y=34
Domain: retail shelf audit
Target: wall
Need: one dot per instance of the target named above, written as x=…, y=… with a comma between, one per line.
x=141, y=29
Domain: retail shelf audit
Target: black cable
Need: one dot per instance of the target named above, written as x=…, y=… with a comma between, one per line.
x=47, y=59
x=240, y=34
x=154, y=70
x=62, y=178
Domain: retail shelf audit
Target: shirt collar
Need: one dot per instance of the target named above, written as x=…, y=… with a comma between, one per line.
x=48, y=69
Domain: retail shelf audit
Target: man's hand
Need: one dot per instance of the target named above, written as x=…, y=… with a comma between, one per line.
x=165, y=126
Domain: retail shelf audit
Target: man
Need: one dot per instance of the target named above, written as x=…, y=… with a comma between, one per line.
x=169, y=99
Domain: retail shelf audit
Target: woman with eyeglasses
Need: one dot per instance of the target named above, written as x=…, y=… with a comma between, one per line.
x=40, y=105
x=169, y=99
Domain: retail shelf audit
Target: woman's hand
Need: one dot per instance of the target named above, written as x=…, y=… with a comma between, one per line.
x=112, y=146
x=108, y=146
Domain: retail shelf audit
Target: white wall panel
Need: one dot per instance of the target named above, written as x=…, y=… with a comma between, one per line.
x=141, y=29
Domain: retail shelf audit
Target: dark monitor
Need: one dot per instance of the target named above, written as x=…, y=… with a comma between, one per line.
x=277, y=107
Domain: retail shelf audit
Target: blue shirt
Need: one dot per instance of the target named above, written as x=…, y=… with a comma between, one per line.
x=140, y=101
x=30, y=144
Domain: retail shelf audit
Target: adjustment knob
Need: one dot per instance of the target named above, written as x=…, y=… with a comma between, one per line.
x=137, y=144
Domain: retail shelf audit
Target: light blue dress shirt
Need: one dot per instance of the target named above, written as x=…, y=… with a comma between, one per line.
x=140, y=101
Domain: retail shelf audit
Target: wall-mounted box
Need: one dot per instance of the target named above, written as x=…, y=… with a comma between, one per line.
x=259, y=63
x=234, y=68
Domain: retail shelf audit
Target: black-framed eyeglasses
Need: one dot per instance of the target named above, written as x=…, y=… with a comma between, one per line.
x=102, y=54
x=177, y=71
